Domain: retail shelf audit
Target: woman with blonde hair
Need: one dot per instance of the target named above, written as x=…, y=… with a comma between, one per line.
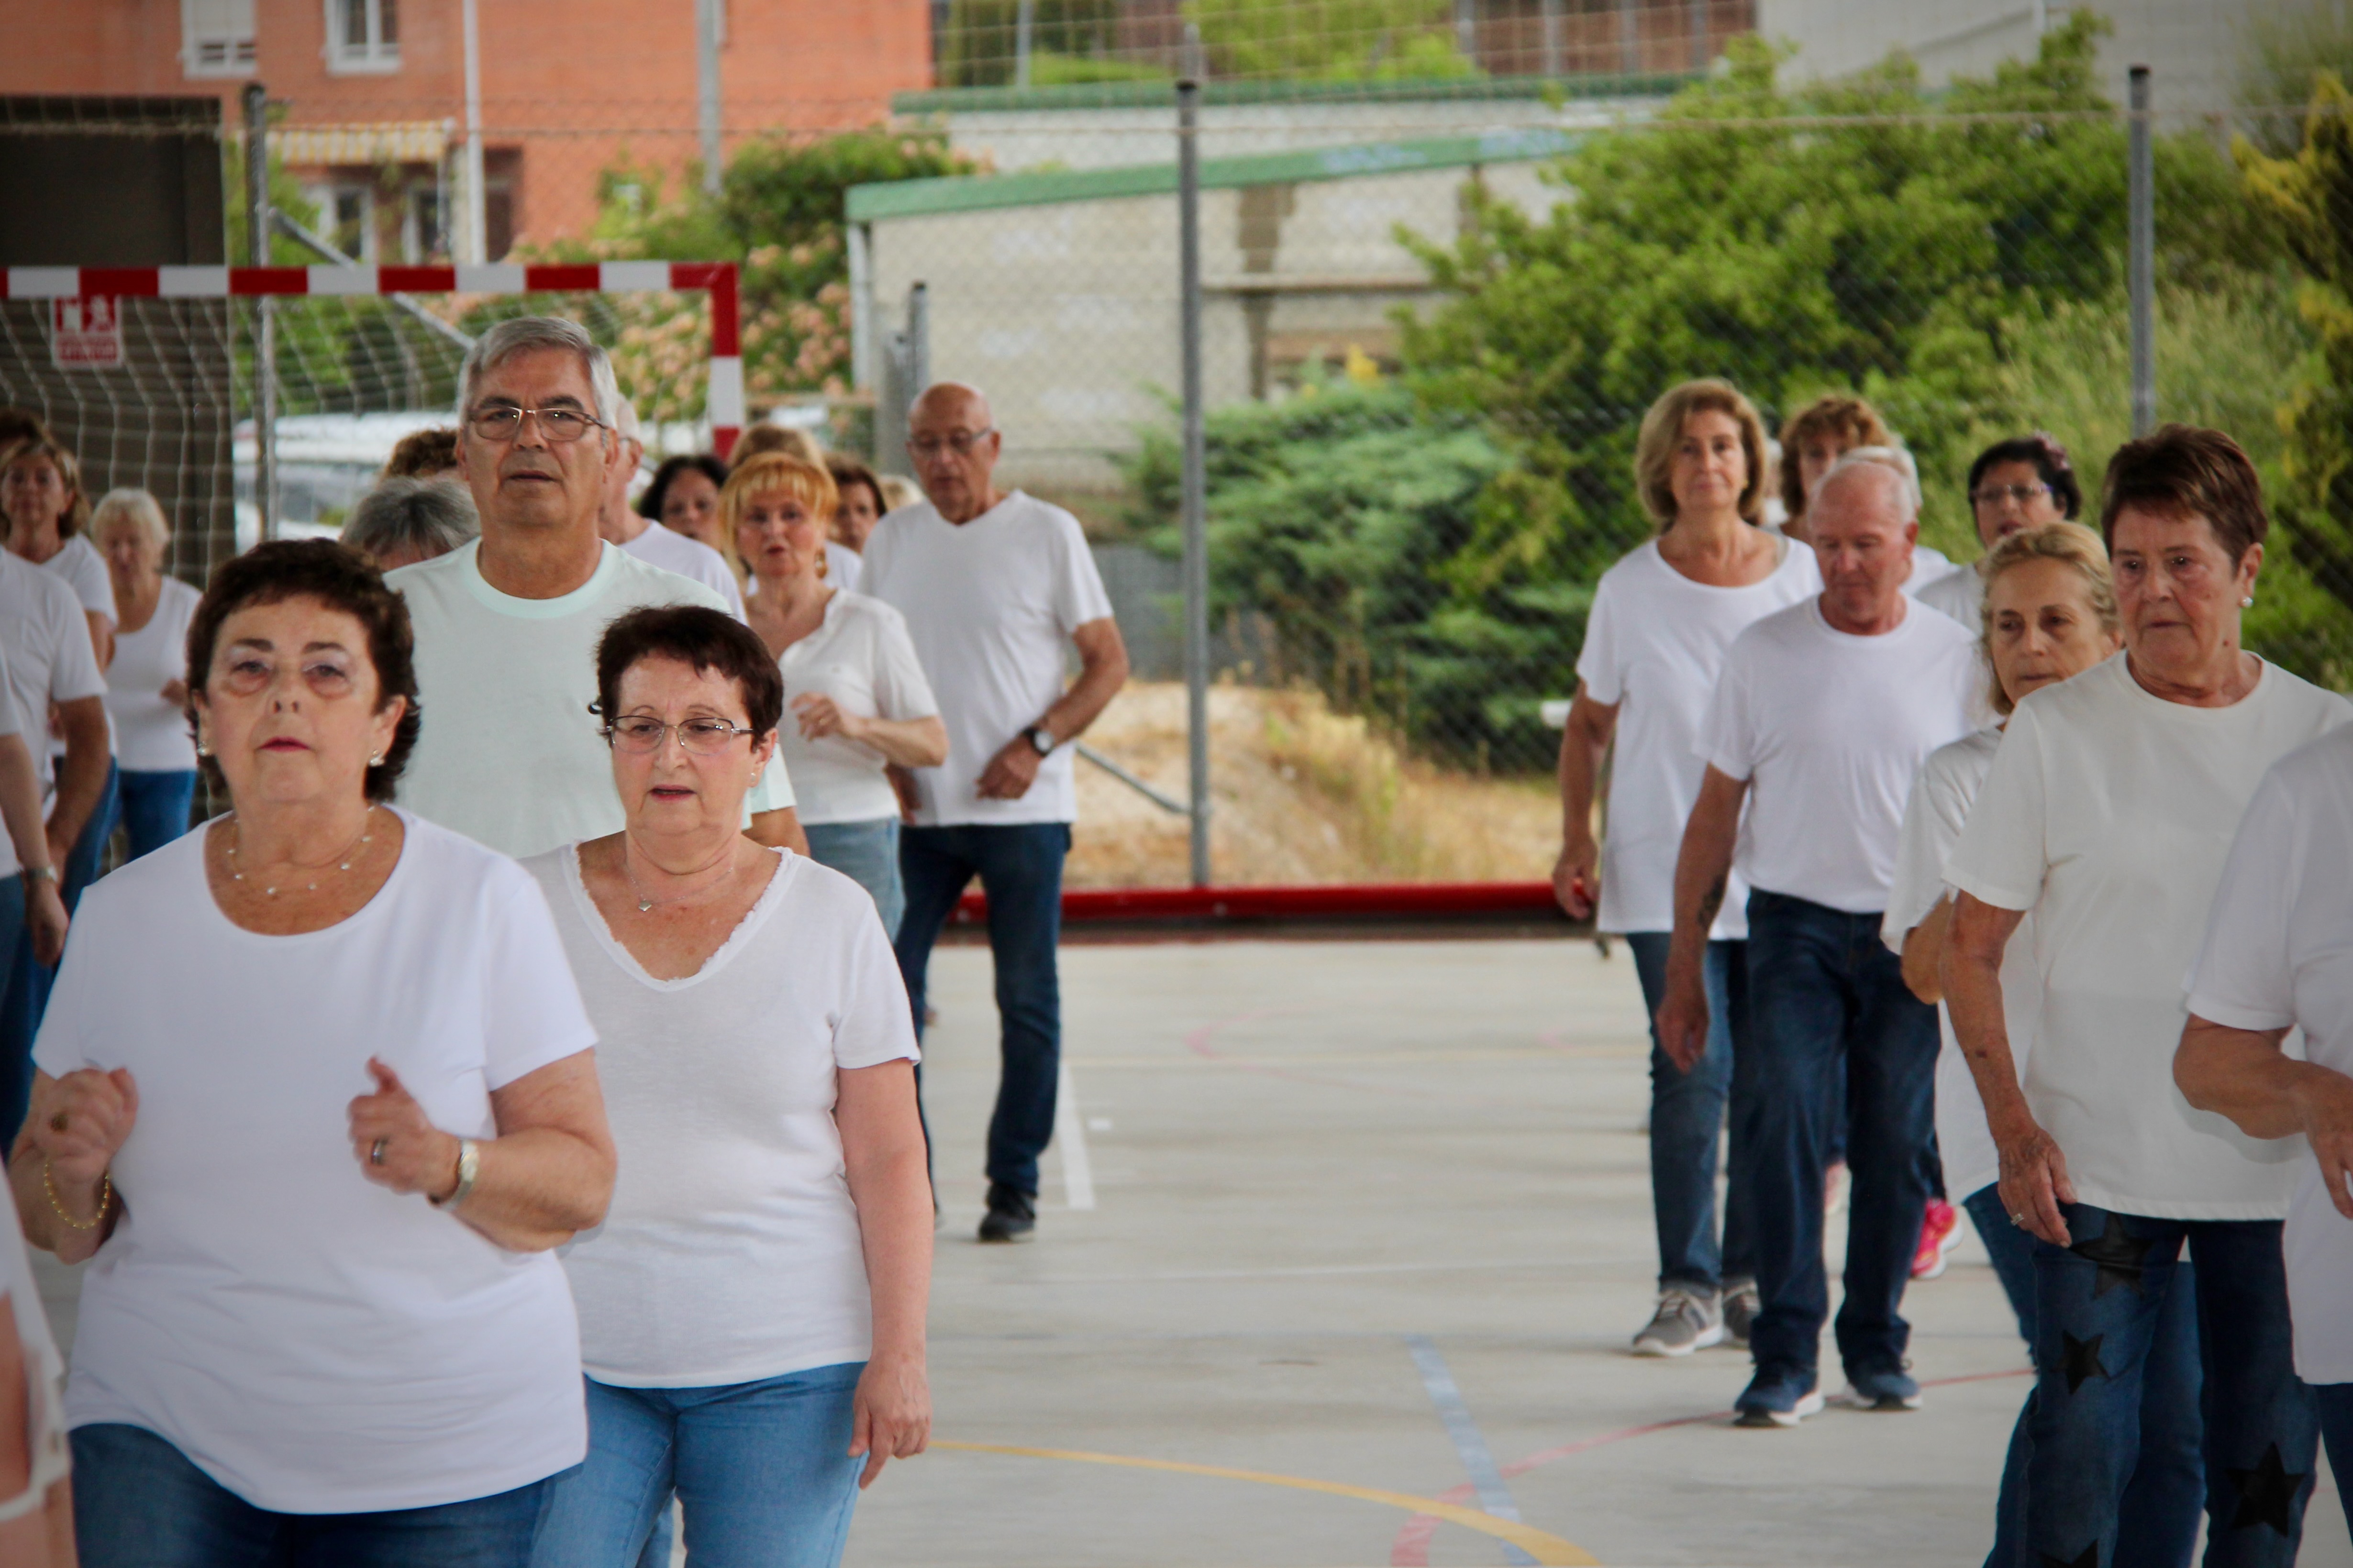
x=1826, y=429
x=147, y=687
x=1654, y=644
x=859, y=702
x=2050, y=614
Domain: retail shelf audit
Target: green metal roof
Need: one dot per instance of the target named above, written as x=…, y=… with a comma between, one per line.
x=1147, y=94
x=978, y=192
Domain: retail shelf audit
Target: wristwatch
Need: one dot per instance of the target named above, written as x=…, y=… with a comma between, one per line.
x=41, y=873
x=1041, y=738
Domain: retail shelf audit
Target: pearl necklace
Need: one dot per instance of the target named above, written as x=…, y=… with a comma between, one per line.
x=343, y=860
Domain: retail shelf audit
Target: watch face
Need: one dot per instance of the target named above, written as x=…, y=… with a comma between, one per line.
x=1043, y=738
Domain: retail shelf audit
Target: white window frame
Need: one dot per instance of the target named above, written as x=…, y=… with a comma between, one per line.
x=373, y=55
x=236, y=54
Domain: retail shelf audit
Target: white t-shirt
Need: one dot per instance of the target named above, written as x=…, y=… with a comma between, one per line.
x=1948, y=782
x=508, y=753
x=2109, y=812
x=1828, y=729
x=731, y=1250
x=45, y=1375
x=2278, y=955
x=84, y=569
x=1654, y=645
x=860, y=656
x=312, y=1341
x=990, y=604
x=1929, y=567
x=1959, y=593
x=842, y=566
x=45, y=638
x=690, y=558
x=151, y=735
x=9, y=725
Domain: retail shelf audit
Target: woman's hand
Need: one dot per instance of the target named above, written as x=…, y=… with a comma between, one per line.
x=1576, y=877
x=396, y=1145
x=893, y=1413
x=821, y=716
x=2034, y=1182
x=2323, y=1103
x=79, y=1125
x=46, y=918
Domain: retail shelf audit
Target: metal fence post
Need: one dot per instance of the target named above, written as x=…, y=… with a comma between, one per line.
x=707, y=19
x=265, y=334
x=2141, y=223
x=1196, y=525
x=919, y=340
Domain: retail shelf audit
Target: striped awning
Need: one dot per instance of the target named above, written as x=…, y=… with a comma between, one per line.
x=387, y=142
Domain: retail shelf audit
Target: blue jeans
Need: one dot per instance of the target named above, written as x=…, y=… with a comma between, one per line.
x=867, y=854
x=762, y=1470
x=16, y=1015
x=2336, y=1402
x=2098, y=1306
x=27, y=993
x=2157, y=1525
x=1687, y=1115
x=138, y=1502
x=1020, y=869
x=1825, y=997
x=152, y=807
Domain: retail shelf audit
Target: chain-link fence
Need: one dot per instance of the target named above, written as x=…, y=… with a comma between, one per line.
x=1434, y=308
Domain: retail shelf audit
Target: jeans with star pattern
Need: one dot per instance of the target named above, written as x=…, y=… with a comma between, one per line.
x=2098, y=1307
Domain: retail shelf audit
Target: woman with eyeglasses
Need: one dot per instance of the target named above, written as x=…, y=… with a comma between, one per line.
x=751, y=1309
x=2022, y=483
x=318, y=1096
x=859, y=702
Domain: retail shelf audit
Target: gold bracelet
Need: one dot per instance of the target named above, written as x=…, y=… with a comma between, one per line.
x=105, y=1196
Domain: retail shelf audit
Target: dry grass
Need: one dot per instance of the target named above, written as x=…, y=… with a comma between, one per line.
x=1301, y=795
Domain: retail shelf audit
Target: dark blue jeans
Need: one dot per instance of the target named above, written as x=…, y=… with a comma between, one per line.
x=152, y=807
x=27, y=987
x=2157, y=1525
x=1020, y=869
x=2098, y=1307
x=1687, y=1116
x=139, y=1503
x=2336, y=1402
x=1825, y=995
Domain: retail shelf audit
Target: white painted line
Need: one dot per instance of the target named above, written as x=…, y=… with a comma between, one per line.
x=1470, y=1443
x=1070, y=1138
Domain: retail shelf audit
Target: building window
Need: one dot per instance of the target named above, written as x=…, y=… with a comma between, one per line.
x=216, y=37
x=347, y=216
x=363, y=34
x=425, y=221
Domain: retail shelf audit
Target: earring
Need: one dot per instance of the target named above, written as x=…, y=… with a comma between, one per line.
x=377, y=761
x=2248, y=603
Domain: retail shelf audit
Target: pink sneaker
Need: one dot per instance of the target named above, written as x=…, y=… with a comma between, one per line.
x=1939, y=1229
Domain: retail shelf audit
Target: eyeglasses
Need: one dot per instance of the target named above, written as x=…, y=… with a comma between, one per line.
x=703, y=737
x=926, y=447
x=1994, y=495
x=503, y=422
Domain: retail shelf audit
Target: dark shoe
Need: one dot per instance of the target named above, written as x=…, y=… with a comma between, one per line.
x=1012, y=1214
x=1778, y=1396
x=1884, y=1388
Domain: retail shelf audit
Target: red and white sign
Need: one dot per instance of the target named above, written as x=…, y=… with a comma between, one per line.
x=86, y=335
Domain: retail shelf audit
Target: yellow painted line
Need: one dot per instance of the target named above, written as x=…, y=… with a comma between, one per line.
x=1544, y=1547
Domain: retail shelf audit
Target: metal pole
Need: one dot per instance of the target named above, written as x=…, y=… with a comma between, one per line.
x=1554, y=63
x=1698, y=10
x=1024, y=19
x=1629, y=38
x=477, y=249
x=862, y=309
x=706, y=44
x=1195, y=478
x=1466, y=28
x=919, y=339
x=2141, y=223
x=265, y=316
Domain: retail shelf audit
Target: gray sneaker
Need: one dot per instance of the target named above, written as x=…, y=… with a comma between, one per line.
x=1741, y=1305
x=1687, y=1320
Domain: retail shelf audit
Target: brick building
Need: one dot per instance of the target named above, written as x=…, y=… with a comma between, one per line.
x=374, y=122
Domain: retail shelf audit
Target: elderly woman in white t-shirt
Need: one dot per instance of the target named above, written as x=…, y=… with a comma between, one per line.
x=147, y=685
x=317, y=1092
x=751, y=1312
x=2108, y=814
x=1654, y=644
x=859, y=700
x=2050, y=614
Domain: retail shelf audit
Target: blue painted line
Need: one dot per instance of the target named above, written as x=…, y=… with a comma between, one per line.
x=1469, y=1444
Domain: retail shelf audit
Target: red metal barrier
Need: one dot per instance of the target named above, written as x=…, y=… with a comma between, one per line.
x=1388, y=903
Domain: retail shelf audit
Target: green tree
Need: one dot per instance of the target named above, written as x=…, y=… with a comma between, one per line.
x=1330, y=40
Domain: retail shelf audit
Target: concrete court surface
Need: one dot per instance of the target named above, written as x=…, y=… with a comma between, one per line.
x=1369, y=1217
x=1378, y=1214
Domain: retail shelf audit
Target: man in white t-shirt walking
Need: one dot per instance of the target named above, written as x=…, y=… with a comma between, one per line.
x=1824, y=712
x=618, y=524
x=993, y=585
x=511, y=752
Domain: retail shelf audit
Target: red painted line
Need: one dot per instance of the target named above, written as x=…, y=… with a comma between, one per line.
x=130, y=282
x=570, y=279
x=724, y=439
x=244, y=281
x=1377, y=900
x=417, y=279
x=726, y=317
x=1411, y=1547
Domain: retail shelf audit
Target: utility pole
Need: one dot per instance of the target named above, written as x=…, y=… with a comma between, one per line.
x=1195, y=508
x=2141, y=229
x=265, y=313
x=477, y=249
x=710, y=20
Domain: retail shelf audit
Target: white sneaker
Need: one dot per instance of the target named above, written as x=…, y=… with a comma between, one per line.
x=1686, y=1320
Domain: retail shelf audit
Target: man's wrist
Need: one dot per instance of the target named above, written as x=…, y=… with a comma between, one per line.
x=41, y=874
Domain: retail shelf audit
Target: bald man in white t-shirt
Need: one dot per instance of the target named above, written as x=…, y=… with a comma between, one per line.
x=1823, y=714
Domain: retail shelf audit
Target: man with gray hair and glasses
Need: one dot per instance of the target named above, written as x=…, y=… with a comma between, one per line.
x=511, y=753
